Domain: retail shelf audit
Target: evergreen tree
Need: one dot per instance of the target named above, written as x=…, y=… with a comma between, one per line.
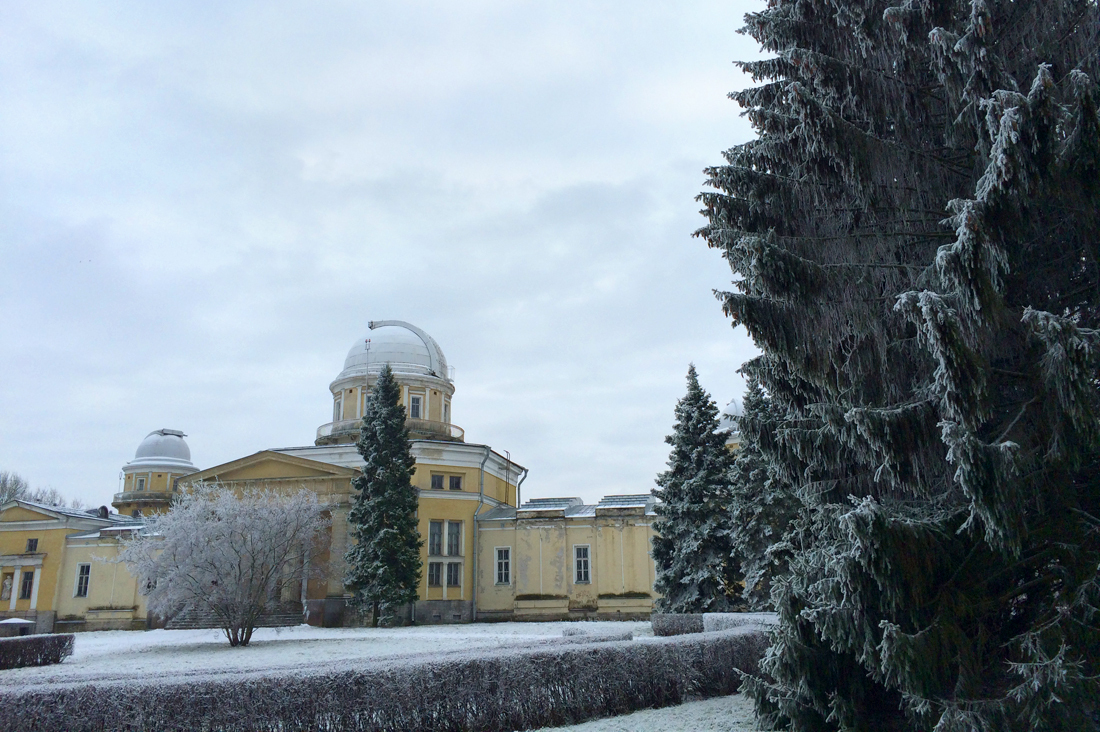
x=695, y=573
x=761, y=507
x=384, y=562
x=916, y=234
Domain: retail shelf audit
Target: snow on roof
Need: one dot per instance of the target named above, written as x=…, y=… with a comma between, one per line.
x=634, y=500
x=550, y=504
x=16, y=621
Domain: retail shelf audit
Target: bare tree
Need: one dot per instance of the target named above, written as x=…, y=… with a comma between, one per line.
x=231, y=554
x=50, y=496
x=12, y=486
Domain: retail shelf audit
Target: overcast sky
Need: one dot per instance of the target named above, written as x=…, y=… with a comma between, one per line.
x=202, y=204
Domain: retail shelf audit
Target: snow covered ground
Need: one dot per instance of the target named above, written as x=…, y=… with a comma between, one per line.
x=119, y=655
x=723, y=714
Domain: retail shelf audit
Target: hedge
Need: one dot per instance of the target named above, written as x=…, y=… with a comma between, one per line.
x=680, y=623
x=511, y=689
x=676, y=623
x=35, y=650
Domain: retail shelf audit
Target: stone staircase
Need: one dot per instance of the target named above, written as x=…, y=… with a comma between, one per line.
x=285, y=615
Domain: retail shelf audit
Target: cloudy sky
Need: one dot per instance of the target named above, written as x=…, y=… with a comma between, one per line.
x=202, y=204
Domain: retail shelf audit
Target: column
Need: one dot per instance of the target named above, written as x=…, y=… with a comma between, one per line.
x=15, y=587
x=34, y=587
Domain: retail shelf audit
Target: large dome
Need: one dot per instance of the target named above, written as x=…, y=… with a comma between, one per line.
x=164, y=448
x=406, y=348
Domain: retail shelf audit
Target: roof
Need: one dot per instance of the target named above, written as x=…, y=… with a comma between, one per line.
x=76, y=512
x=406, y=348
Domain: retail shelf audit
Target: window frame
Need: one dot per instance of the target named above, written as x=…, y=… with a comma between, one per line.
x=338, y=408
x=416, y=406
x=454, y=568
x=32, y=546
x=436, y=569
x=83, y=572
x=452, y=480
x=587, y=567
x=433, y=535
x=26, y=584
x=139, y=484
x=454, y=545
x=433, y=480
x=504, y=574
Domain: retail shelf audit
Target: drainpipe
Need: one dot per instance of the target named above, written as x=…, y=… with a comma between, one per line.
x=519, y=485
x=480, y=503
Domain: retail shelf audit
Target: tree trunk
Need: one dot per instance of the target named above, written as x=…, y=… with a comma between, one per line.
x=374, y=615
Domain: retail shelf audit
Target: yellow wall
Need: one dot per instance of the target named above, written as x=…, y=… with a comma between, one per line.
x=51, y=544
x=113, y=600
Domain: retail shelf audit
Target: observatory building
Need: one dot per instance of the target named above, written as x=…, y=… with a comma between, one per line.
x=485, y=556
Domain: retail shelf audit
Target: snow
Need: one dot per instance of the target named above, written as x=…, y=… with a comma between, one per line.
x=722, y=714
x=119, y=655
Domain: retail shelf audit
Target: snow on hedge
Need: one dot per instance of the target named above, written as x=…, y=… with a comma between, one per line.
x=554, y=683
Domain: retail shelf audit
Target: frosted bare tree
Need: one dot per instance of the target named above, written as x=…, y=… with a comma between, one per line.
x=12, y=486
x=227, y=553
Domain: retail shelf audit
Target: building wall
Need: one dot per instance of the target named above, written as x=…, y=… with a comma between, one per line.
x=113, y=602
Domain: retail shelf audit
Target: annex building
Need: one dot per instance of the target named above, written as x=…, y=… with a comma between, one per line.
x=486, y=555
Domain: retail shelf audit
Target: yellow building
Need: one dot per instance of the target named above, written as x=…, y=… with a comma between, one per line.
x=484, y=556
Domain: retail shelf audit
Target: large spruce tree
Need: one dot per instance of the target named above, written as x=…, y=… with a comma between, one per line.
x=916, y=238
x=384, y=562
x=691, y=551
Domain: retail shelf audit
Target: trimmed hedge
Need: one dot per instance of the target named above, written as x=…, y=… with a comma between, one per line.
x=676, y=623
x=35, y=650
x=508, y=689
x=680, y=623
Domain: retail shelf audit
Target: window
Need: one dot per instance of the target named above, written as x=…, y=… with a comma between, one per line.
x=456, y=482
x=414, y=407
x=435, y=538
x=337, y=409
x=83, y=576
x=366, y=401
x=136, y=513
x=140, y=484
x=437, y=482
x=454, y=538
x=447, y=412
x=26, y=585
x=454, y=574
x=32, y=546
x=504, y=565
x=580, y=553
x=435, y=569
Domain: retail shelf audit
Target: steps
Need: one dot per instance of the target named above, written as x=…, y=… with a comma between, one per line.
x=285, y=615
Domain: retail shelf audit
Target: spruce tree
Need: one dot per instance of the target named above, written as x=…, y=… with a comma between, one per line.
x=694, y=571
x=762, y=508
x=384, y=562
x=916, y=239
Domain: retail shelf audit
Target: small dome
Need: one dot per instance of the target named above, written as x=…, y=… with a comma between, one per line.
x=406, y=348
x=165, y=448
x=732, y=412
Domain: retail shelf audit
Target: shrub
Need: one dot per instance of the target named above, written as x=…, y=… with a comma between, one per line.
x=518, y=688
x=35, y=650
x=676, y=623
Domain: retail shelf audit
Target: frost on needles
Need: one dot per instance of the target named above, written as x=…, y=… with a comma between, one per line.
x=384, y=562
x=695, y=573
x=915, y=235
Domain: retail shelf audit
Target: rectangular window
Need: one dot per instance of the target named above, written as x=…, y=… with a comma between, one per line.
x=414, y=407
x=454, y=574
x=454, y=538
x=456, y=482
x=437, y=482
x=26, y=585
x=435, y=538
x=140, y=484
x=32, y=546
x=435, y=569
x=366, y=401
x=447, y=412
x=83, y=577
x=580, y=553
x=504, y=565
x=337, y=409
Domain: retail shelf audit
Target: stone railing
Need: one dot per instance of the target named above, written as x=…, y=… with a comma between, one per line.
x=418, y=428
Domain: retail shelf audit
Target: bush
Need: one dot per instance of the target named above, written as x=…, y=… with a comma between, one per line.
x=35, y=650
x=511, y=689
x=676, y=623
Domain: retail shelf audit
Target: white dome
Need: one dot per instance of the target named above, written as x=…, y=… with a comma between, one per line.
x=163, y=448
x=732, y=412
x=406, y=348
